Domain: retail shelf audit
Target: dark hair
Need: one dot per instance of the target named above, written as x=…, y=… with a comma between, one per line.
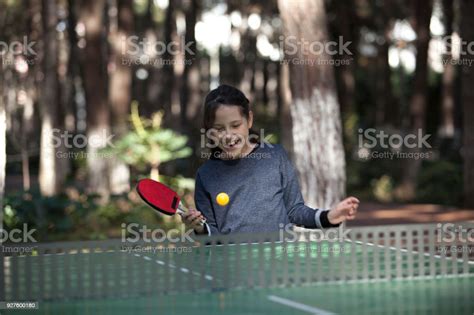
x=224, y=95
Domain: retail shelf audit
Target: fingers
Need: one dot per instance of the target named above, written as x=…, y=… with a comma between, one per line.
x=348, y=207
x=197, y=221
x=350, y=217
x=193, y=218
x=351, y=201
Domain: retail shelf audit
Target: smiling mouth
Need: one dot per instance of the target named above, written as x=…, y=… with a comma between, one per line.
x=232, y=145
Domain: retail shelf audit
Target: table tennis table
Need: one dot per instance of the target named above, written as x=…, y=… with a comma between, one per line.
x=395, y=269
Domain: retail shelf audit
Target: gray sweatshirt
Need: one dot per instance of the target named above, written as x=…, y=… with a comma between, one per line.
x=263, y=190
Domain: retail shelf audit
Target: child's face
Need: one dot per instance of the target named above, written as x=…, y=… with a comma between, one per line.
x=232, y=130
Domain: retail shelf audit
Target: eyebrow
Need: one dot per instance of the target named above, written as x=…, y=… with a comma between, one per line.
x=232, y=122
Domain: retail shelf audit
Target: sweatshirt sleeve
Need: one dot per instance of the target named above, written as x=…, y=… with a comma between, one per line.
x=204, y=205
x=298, y=212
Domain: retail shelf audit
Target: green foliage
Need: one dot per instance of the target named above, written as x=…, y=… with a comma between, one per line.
x=440, y=182
x=149, y=145
x=76, y=215
x=383, y=188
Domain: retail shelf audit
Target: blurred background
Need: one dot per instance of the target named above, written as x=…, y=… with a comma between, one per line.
x=96, y=94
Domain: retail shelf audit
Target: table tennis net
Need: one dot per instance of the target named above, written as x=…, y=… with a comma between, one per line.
x=116, y=268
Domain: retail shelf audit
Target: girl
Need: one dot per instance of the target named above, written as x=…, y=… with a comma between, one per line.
x=257, y=176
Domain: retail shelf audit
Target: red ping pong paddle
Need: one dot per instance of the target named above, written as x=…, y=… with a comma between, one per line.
x=161, y=198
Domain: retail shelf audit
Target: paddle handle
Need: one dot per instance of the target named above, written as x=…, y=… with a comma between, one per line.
x=182, y=210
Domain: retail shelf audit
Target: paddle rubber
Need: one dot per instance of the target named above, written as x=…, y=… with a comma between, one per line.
x=158, y=196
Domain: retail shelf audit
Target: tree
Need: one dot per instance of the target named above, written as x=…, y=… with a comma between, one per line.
x=317, y=132
x=190, y=89
x=3, y=160
x=3, y=146
x=120, y=82
x=95, y=86
x=446, y=129
x=421, y=25
x=52, y=168
x=467, y=96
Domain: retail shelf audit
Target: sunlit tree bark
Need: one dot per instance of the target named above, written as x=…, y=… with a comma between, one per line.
x=95, y=86
x=120, y=86
x=446, y=129
x=317, y=132
x=52, y=167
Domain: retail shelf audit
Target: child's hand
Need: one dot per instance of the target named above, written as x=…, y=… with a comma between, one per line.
x=344, y=210
x=192, y=219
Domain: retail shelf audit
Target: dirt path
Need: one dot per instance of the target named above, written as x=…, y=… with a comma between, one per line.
x=371, y=213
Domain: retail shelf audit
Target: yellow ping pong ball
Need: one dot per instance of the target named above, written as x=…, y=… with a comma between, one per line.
x=222, y=199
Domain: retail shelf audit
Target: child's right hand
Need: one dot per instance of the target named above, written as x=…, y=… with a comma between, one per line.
x=192, y=219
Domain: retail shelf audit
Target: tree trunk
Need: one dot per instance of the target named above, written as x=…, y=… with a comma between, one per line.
x=3, y=162
x=317, y=132
x=166, y=74
x=467, y=96
x=120, y=86
x=284, y=110
x=422, y=16
x=52, y=168
x=386, y=113
x=95, y=86
x=446, y=129
x=3, y=147
x=346, y=26
x=190, y=89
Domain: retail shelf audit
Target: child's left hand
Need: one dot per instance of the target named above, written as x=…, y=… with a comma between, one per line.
x=344, y=210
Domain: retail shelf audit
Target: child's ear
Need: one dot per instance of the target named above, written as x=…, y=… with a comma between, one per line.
x=250, y=120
